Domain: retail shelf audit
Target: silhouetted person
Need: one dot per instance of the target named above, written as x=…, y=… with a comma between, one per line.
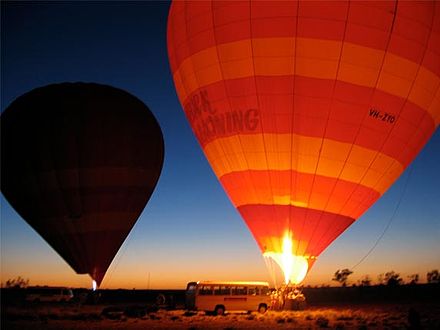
x=414, y=319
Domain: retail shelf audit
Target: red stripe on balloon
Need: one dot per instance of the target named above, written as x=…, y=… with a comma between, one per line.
x=306, y=226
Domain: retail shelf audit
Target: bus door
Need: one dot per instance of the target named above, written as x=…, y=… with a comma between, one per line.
x=190, y=296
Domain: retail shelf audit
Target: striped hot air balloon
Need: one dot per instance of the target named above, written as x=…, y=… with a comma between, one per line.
x=306, y=111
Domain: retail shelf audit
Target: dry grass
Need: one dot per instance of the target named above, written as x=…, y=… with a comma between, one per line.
x=382, y=316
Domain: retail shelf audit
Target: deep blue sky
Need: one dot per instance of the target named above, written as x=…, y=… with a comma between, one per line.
x=189, y=229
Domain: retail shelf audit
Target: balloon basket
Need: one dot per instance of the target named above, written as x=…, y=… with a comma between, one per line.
x=289, y=298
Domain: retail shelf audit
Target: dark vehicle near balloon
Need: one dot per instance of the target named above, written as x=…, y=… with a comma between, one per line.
x=48, y=294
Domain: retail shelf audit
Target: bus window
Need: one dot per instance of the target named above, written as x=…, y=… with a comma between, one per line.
x=264, y=290
x=205, y=290
x=254, y=291
x=239, y=290
x=221, y=290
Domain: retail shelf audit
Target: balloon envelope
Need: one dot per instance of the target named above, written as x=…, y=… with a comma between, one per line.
x=79, y=161
x=307, y=111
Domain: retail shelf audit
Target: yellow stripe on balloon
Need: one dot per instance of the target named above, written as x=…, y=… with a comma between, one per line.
x=341, y=160
x=359, y=65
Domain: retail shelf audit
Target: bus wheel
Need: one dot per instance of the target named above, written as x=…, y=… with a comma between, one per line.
x=262, y=308
x=219, y=310
x=161, y=299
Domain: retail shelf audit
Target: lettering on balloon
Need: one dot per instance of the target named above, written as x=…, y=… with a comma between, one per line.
x=383, y=116
x=208, y=123
x=198, y=105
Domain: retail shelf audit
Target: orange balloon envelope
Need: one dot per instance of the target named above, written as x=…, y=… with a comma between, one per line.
x=307, y=111
x=78, y=163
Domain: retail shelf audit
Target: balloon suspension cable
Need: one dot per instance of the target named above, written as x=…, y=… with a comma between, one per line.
x=270, y=266
x=389, y=221
x=117, y=259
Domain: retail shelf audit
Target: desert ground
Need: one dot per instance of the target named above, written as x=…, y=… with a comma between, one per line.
x=338, y=316
x=373, y=307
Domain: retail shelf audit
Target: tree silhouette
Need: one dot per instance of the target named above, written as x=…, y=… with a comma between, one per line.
x=413, y=279
x=341, y=276
x=392, y=278
x=433, y=276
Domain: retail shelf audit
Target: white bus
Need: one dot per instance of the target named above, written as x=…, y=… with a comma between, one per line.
x=48, y=294
x=219, y=297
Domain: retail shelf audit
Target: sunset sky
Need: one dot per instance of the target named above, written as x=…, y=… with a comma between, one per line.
x=189, y=230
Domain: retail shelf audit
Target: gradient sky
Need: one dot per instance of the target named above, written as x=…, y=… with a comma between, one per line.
x=189, y=229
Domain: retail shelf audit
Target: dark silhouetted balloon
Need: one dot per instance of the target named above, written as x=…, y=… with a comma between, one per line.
x=79, y=162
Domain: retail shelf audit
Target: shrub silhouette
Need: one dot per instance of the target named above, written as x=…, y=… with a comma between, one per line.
x=341, y=276
x=17, y=283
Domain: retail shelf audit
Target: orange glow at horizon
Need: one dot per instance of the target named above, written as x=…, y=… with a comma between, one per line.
x=175, y=275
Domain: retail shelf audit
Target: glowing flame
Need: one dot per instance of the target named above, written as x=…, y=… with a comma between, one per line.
x=286, y=258
x=294, y=267
x=94, y=285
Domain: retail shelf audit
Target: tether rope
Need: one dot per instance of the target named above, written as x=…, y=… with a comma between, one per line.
x=389, y=221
